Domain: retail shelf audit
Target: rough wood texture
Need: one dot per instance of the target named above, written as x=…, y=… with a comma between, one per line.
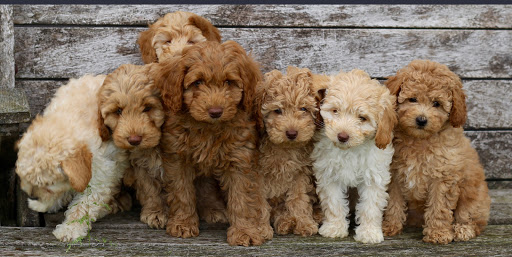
x=495, y=151
x=495, y=241
x=67, y=52
x=6, y=47
x=408, y=16
x=25, y=216
x=14, y=107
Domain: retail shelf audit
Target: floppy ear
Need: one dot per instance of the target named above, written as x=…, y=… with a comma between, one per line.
x=168, y=77
x=320, y=95
x=102, y=128
x=458, y=114
x=78, y=168
x=261, y=94
x=210, y=32
x=394, y=84
x=387, y=121
x=145, y=42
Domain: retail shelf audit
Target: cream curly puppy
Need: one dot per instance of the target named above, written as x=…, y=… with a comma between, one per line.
x=354, y=150
x=62, y=157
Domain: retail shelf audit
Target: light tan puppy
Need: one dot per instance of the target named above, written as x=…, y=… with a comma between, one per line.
x=435, y=171
x=287, y=104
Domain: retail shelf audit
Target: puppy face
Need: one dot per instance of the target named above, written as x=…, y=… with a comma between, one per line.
x=211, y=81
x=287, y=105
x=356, y=109
x=169, y=35
x=130, y=108
x=430, y=98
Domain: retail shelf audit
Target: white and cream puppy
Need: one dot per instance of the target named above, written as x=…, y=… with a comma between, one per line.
x=354, y=150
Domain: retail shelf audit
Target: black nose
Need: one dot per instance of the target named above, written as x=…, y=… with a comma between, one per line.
x=134, y=140
x=421, y=121
x=291, y=134
x=215, y=112
x=343, y=137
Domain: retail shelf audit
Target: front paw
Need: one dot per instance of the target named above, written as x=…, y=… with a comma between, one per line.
x=215, y=216
x=183, y=228
x=369, y=235
x=391, y=229
x=154, y=219
x=306, y=228
x=464, y=232
x=37, y=206
x=245, y=237
x=438, y=236
x=70, y=232
x=334, y=229
x=284, y=226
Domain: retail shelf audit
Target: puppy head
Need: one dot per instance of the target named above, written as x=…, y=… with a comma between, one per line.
x=287, y=104
x=130, y=108
x=50, y=163
x=357, y=109
x=170, y=34
x=211, y=81
x=430, y=98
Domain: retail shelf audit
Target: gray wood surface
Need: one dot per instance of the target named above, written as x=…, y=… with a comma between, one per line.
x=61, y=52
x=6, y=47
x=379, y=16
x=14, y=107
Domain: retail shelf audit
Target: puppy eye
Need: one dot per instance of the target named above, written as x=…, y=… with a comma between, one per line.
x=413, y=100
x=436, y=104
x=119, y=111
x=278, y=111
x=190, y=43
x=304, y=109
x=362, y=118
x=147, y=109
x=334, y=111
x=229, y=82
x=169, y=41
x=197, y=83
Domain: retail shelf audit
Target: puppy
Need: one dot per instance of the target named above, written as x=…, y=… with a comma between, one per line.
x=287, y=104
x=210, y=130
x=169, y=35
x=62, y=158
x=435, y=171
x=354, y=150
x=131, y=109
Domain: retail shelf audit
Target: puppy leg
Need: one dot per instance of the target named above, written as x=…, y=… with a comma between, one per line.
x=372, y=201
x=334, y=202
x=248, y=211
x=442, y=199
x=183, y=220
x=472, y=212
x=281, y=219
x=148, y=191
x=395, y=214
x=210, y=203
x=300, y=207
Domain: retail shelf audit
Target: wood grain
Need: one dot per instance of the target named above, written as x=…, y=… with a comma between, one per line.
x=378, y=16
x=6, y=47
x=495, y=152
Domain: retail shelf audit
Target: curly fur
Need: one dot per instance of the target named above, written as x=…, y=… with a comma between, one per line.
x=435, y=171
x=287, y=104
x=210, y=131
x=354, y=150
x=169, y=35
x=62, y=158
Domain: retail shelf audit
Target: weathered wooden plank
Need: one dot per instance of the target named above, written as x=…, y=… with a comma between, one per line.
x=495, y=151
x=501, y=206
x=13, y=106
x=483, y=113
x=6, y=47
x=495, y=241
x=409, y=16
x=50, y=52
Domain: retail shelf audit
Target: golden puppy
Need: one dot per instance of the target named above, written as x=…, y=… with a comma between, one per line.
x=435, y=171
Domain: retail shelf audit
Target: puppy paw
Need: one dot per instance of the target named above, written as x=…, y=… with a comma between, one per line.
x=306, y=228
x=464, y=232
x=369, y=235
x=244, y=237
x=391, y=229
x=266, y=231
x=70, y=232
x=334, y=229
x=154, y=219
x=37, y=206
x=184, y=229
x=438, y=236
x=215, y=216
x=284, y=226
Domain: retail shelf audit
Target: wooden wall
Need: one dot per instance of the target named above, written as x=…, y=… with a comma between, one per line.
x=54, y=43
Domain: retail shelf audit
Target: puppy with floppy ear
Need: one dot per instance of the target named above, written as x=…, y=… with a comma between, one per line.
x=169, y=35
x=287, y=109
x=354, y=150
x=435, y=171
x=210, y=130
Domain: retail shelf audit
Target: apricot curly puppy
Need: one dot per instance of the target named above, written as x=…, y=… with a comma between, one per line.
x=166, y=38
x=354, y=150
x=210, y=130
x=435, y=170
x=287, y=104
